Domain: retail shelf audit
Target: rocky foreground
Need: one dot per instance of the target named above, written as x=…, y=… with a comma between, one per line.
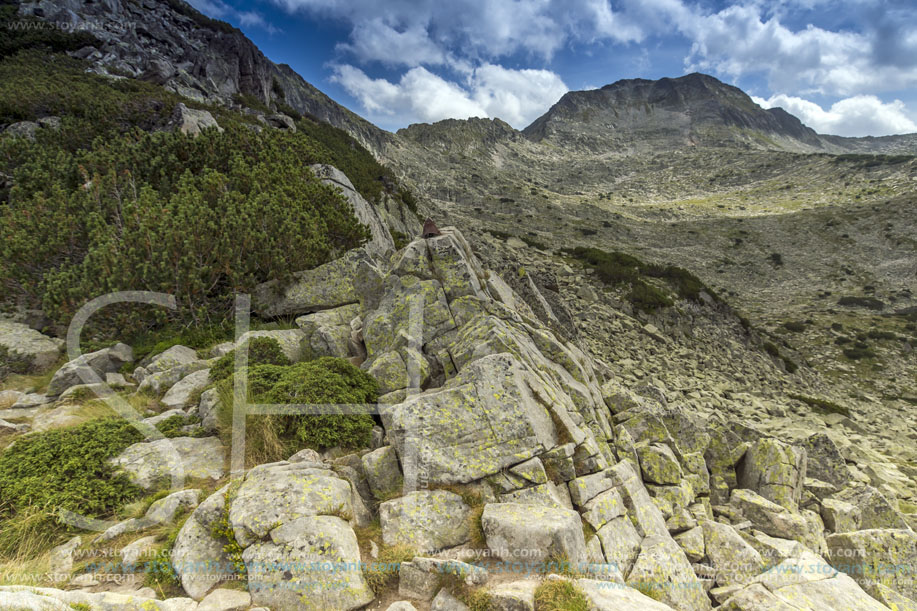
x=507, y=458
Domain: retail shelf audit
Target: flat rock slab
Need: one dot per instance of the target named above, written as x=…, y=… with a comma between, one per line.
x=484, y=420
x=299, y=563
x=155, y=463
x=426, y=520
x=283, y=492
x=535, y=532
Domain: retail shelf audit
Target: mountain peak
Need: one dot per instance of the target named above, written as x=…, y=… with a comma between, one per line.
x=696, y=109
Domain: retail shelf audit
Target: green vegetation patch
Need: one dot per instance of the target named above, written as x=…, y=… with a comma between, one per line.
x=617, y=269
x=261, y=351
x=863, y=302
x=560, y=595
x=12, y=362
x=68, y=469
x=324, y=381
x=822, y=404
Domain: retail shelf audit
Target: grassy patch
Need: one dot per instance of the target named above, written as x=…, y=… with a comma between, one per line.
x=382, y=572
x=560, y=595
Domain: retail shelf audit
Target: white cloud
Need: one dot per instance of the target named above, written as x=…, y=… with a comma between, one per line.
x=480, y=30
x=736, y=41
x=516, y=96
x=220, y=10
x=862, y=115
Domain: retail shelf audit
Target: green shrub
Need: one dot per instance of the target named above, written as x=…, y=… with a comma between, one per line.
x=686, y=284
x=256, y=216
x=865, y=302
x=18, y=33
x=560, y=595
x=261, y=351
x=401, y=239
x=68, y=469
x=327, y=381
x=323, y=381
x=13, y=362
x=858, y=352
x=821, y=404
x=647, y=297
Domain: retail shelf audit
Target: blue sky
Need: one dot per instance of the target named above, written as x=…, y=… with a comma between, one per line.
x=846, y=67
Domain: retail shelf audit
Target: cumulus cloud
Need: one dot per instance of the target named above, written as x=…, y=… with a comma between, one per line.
x=862, y=115
x=737, y=41
x=516, y=96
x=481, y=29
x=466, y=40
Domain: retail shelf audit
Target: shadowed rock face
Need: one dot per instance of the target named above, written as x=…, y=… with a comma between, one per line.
x=691, y=110
x=171, y=44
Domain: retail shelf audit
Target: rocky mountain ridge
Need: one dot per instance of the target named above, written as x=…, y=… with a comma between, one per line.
x=170, y=43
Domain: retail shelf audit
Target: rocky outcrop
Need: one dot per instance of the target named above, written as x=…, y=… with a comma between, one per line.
x=37, y=351
x=381, y=242
x=90, y=368
x=173, y=45
x=156, y=463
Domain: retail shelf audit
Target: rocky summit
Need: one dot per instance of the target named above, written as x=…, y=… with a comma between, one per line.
x=654, y=351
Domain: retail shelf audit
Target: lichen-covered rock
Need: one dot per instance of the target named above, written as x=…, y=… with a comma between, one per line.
x=224, y=599
x=328, y=332
x=769, y=517
x=155, y=463
x=663, y=569
x=482, y=421
x=207, y=409
x=184, y=391
x=326, y=286
x=839, y=516
x=426, y=520
x=755, y=597
x=620, y=543
x=310, y=562
x=735, y=561
x=875, y=509
x=39, y=351
x=280, y=493
x=191, y=121
x=584, y=489
x=174, y=357
x=382, y=472
x=605, y=596
x=644, y=514
x=88, y=367
x=603, y=508
x=514, y=595
x=542, y=531
x=824, y=461
x=197, y=556
x=877, y=556
x=774, y=470
x=692, y=543
x=839, y=593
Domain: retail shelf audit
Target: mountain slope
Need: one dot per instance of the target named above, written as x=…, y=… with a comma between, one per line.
x=171, y=44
